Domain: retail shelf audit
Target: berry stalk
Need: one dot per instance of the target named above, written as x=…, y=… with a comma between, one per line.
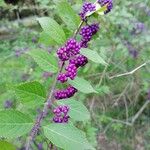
x=47, y=104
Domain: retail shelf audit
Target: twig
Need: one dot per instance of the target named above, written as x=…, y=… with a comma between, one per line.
x=121, y=121
x=126, y=106
x=76, y=31
x=122, y=94
x=129, y=73
x=105, y=69
x=140, y=111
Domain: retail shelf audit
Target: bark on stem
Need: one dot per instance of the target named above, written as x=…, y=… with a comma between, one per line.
x=40, y=117
x=48, y=103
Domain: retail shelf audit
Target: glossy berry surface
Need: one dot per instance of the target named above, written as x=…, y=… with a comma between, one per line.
x=87, y=32
x=71, y=71
x=79, y=61
x=62, y=77
x=71, y=48
x=65, y=93
x=61, y=114
x=87, y=7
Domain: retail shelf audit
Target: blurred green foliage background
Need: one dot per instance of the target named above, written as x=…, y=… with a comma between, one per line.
x=123, y=42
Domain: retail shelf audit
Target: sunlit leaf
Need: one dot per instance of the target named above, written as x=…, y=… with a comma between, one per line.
x=77, y=110
x=82, y=85
x=67, y=137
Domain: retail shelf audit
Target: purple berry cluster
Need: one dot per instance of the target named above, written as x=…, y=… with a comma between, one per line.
x=70, y=54
x=71, y=71
x=65, y=93
x=87, y=7
x=62, y=77
x=71, y=48
x=79, y=61
x=109, y=4
x=87, y=32
x=61, y=114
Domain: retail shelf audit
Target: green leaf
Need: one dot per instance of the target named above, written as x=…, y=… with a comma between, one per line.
x=77, y=110
x=30, y=91
x=68, y=15
x=53, y=29
x=46, y=61
x=4, y=145
x=67, y=137
x=46, y=39
x=14, y=124
x=100, y=10
x=93, y=56
x=82, y=85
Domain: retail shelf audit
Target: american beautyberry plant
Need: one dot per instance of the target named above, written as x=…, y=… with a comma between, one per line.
x=70, y=57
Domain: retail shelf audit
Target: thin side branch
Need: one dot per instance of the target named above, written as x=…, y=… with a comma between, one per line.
x=78, y=29
x=129, y=73
x=140, y=112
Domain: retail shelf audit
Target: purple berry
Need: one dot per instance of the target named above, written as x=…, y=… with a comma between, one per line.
x=79, y=61
x=71, y=48
x=87, y=7
x=61, y=114
x=62, y=77
x=63, y=54
x=65, y=93
x=94, y=28
x=71, y=91
x=109, y=4
x=87, y=32
x=71, y=71
x=83, y=43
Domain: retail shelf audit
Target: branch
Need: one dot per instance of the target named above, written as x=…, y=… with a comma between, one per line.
x=129, y=73
x=47, y=104
x=140, y=111
x=78, y=29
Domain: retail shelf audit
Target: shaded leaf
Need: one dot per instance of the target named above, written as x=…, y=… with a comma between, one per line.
x=30, y=91
x=14, y=124
x=46, y=39
x=68, y=15
x=77, y=110
x=4, y=145
x=53, y=29
x=46, y=61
